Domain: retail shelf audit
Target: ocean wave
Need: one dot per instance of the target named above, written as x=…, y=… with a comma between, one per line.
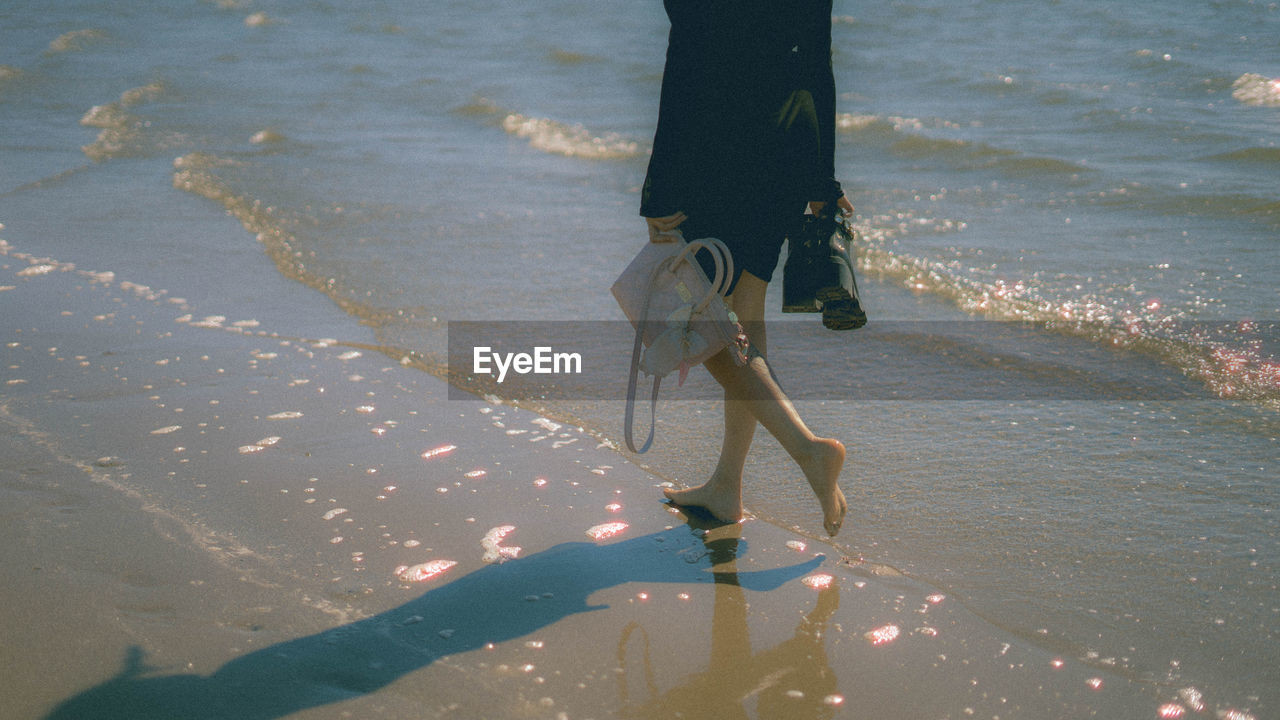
x=75, y=40
x=1269, y=156
x=479, y=107
x=854, y=122
x=970, y=155
x=554, y=137
x=570, y=140
x=1035, y=165
x=923, y=146
x=1177, y=201
x=905, y=137
x=567, y=57
x=124, y=134
x=206, y=175
x=1235, y=361
x=1257, y=90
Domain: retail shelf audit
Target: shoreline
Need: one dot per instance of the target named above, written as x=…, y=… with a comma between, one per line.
x=221, y=495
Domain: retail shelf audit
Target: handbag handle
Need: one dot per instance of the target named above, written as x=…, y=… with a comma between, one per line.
x=719, y=253
x=722, y=259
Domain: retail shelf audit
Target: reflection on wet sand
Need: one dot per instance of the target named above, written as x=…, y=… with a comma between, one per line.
x=790, y=679
x=490, y=605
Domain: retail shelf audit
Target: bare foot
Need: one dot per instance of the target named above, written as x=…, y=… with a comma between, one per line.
x=822, y=470
x=724, y=503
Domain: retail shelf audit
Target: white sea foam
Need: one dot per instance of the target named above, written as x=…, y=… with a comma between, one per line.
x=211, y=321
x=1254, y=89
x=570, y=140
x=34, y=270
x=545, y=424
x=854, y=122
x=123, y=134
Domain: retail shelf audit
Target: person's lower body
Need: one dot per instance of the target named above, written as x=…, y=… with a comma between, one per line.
x=752, y=394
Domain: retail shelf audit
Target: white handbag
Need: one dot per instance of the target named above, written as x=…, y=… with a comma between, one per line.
x=679, y=315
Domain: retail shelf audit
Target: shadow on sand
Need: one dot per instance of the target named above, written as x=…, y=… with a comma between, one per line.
x=490, y=605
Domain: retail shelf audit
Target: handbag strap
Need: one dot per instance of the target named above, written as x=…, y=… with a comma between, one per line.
x=631, y=398
x=634, y=374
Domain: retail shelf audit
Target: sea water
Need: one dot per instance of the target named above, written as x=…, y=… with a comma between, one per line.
x=1096, y=180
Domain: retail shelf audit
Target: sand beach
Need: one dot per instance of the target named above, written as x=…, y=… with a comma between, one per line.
x=209, y=519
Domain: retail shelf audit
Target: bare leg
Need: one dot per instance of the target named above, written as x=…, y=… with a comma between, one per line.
x=751, y=394
x=722, y=494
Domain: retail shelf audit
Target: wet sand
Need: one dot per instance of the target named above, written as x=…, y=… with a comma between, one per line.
x=208, y=519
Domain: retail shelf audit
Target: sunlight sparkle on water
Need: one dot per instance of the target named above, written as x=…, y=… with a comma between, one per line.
x=259, y=446
x=494, y=551
x=604, y=531
x=1170, y=711
x=818, y=581
x=475, y=474
x=436, y=452
x=1095, y=683
x=424, y=571
x=1192, y=698
x=884, y=635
